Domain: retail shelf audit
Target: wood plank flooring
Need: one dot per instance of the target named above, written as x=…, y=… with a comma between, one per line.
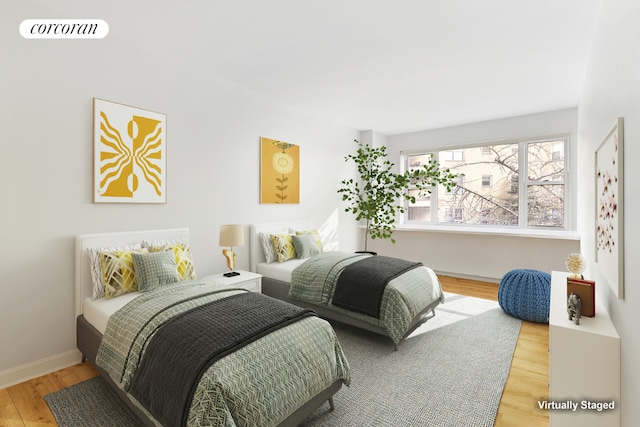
x=528, y=380
x=23, y=405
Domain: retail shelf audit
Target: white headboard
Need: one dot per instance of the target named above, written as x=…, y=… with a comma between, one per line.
x=83, y=286
x=257, y=254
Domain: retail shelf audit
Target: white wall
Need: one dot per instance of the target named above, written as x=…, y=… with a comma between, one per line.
x=485, y=256
x=46, y=89
x=477, y=256
x=373, y=139
x=612, y=90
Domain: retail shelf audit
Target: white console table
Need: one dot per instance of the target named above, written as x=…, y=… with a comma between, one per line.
x=584, y=362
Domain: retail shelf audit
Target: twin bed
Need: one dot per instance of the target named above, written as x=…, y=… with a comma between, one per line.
x=278, y=377
x=408, y=300
x=265, y=362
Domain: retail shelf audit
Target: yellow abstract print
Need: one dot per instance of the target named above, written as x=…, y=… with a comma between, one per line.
x=280, y=172
x=130, y=154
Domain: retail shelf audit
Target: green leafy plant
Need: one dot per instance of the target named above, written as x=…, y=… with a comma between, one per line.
x=380, y=194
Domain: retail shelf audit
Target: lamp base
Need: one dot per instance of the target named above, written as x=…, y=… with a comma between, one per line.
x=231, y=274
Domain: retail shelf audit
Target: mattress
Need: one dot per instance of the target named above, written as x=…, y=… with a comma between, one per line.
x=97, y=312
x=279, y=270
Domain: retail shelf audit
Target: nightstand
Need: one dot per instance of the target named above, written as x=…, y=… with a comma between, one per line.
x=245, y=280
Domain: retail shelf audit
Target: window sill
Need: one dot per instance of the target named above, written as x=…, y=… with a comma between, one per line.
x=493, y=231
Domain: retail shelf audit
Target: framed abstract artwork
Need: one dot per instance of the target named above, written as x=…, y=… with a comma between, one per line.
x=129, y=154
x=279, y=172
x=609, y=208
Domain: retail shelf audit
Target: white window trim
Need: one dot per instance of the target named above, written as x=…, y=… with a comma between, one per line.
x=521, y=230
x=541, y=233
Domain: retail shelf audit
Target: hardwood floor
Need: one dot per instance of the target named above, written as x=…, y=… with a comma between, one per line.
x=528, y=380
x=23, y=404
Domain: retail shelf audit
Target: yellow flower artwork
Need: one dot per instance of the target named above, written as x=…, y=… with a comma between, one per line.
x=279, y=172
x=129, y=154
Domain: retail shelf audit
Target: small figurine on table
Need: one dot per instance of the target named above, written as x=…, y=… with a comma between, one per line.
x=574, y=305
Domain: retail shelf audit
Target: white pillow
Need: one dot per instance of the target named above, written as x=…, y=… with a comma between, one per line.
x=149, y=243
x=269, y=250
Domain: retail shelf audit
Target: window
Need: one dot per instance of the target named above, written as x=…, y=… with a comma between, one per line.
x=521, y=184
x=459, y=188
x=451, y=155
x=514, y=184
x=454, y=215
x=557, y=152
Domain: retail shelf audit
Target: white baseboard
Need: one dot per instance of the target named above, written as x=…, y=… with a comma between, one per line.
x=38, y=368
x=467, y=276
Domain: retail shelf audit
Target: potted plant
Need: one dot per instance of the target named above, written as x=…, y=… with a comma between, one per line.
x=380, y=194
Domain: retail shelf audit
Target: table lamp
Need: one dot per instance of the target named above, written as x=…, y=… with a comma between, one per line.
x=231, y=235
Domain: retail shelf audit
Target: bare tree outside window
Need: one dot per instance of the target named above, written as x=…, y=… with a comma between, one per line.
x=491, y=189
x=545, y=184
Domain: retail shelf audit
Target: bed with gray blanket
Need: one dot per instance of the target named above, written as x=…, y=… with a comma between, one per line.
x=193, y=353
x=382, y=294
x=190, y=346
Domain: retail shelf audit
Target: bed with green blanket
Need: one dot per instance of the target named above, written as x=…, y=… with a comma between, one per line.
x=407, y=299
x=266, y=363
x=266, y=400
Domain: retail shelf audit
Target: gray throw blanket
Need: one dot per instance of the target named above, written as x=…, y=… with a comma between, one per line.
x=361, y=285
x=187, y=345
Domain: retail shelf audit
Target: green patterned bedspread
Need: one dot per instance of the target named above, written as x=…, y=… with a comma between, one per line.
x=403, y=299
x=260, y=384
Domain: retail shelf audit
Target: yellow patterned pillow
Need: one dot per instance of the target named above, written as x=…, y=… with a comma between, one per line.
x=118, y=273
x=283, y=245
x=96, y=266
x=184, y=259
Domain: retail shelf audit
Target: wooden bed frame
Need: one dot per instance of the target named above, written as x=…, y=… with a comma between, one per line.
x=279, y=289
x=88, y=338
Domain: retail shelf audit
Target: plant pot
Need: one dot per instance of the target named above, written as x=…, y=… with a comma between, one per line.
x=367, y=252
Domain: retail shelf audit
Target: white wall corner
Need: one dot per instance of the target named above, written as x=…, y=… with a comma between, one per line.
x=373, y=138
x=38, y=368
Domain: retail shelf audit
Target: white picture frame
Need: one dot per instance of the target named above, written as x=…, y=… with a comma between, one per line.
x=609, y=227
x=129, y=154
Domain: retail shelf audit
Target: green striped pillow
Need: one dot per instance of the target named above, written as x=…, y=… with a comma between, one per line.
x=155, y=269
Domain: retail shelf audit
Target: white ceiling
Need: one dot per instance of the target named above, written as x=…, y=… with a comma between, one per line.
x=391, y=66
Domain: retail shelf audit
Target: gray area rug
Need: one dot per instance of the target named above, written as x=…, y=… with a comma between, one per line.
x=91, y=403
x=449, y=372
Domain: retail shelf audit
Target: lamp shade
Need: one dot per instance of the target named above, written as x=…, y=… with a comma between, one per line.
x=231, y=235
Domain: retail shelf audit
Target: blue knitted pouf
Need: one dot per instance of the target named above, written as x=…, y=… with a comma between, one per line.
x=526, y=294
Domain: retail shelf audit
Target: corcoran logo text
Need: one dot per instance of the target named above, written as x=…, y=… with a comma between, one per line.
x=64, y=29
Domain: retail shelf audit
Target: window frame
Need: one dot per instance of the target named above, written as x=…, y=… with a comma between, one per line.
x=523, y=185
